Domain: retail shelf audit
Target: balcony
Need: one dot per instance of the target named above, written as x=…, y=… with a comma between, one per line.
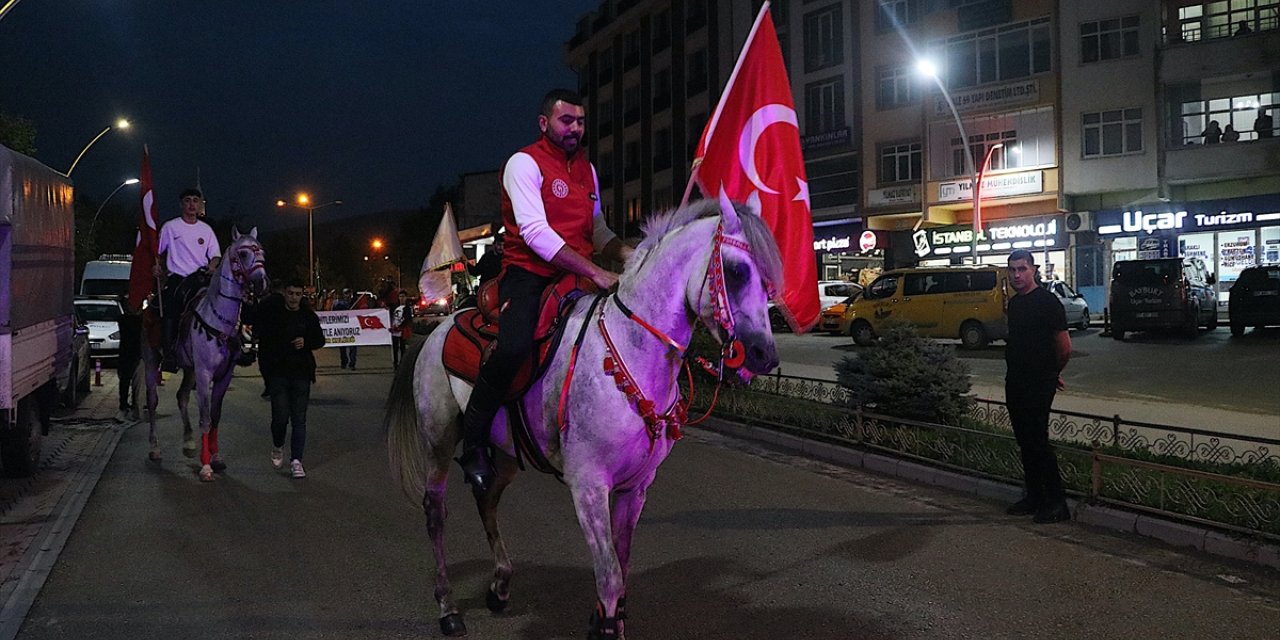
x=1191, y=60
x=1223, y=161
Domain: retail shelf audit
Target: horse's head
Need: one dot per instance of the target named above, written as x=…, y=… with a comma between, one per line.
x=245, y=260
x=743, y=266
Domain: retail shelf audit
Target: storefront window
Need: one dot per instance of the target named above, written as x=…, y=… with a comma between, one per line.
x=1270, y=247
x=1197, y=245
x=1124, y=249
x=1235, y=252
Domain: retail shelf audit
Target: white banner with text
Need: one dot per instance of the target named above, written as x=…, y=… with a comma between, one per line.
x=356, y=327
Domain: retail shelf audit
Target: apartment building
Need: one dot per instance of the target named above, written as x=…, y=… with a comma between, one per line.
x=998, y=113
x=1169, y=134
x=651, y=72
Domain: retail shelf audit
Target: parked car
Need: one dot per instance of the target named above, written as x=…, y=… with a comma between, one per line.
x=968, y=303
x=435, y=307
x=1255, y=299
x=102, y=316
x=1072, y=303
x=832, y=318
x=1162, y=293
x=830, y=292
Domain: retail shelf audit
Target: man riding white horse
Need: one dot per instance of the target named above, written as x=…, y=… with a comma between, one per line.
x=188, y=246
x=551, y=212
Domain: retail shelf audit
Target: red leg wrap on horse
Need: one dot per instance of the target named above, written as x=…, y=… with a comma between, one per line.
x=205, y=454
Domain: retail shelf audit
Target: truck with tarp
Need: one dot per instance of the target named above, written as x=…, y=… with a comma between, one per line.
x=37, y=320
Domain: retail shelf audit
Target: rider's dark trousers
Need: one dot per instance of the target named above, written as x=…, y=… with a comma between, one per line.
x=1029, y=403
x=519, y=293
x=289, y=399
x=130, y=355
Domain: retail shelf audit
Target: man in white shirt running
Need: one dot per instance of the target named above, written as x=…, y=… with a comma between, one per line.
x=187, y=246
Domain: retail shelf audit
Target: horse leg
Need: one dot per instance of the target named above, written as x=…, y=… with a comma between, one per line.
x=189, y=444
x=626, y=513
x=208, y=442
x=150, y=362
x=215, y=416
x=592, y=504
x=437, y=511
x=499, y=594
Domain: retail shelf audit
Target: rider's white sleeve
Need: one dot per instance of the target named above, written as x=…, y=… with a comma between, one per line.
x=523, y=182
x=601, y=234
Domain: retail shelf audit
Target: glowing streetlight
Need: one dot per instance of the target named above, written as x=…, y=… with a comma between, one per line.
x=928, y=69
x=304, y=202
x=104, y=202
x=119, y=124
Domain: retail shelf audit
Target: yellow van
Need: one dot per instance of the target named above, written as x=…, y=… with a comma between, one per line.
x=968, y=303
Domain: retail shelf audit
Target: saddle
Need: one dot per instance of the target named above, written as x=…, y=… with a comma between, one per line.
x=473, y=337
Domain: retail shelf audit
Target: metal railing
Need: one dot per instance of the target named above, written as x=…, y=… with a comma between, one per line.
x=1177, y=472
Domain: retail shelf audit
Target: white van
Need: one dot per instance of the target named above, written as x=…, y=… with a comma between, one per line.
x=107, y=276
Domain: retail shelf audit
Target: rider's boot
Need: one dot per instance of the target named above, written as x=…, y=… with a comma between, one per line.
x=477, y=466
x=168, y=362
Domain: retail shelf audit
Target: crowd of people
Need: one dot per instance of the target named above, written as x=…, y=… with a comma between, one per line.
x=1263, y=129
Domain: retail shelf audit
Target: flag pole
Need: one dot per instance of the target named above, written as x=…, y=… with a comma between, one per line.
x=715, y=117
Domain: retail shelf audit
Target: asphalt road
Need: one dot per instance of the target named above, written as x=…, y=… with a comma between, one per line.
x=736, y=542
x=1214, y=370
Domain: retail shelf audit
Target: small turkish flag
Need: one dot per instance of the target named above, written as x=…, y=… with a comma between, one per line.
x=751, y=149
x=370, y=322
x=141, y=280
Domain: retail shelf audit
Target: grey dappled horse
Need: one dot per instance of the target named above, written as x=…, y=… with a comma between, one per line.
x=207, y=349
x=705, y=263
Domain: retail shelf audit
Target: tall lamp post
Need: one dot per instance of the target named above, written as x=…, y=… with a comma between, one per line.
x=378, y=245
x=119, y=124
x=104, y=203
x=977, y=197
x=930, y=70
x=303, y=201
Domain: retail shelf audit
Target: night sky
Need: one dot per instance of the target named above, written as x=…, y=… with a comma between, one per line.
x=373, y=103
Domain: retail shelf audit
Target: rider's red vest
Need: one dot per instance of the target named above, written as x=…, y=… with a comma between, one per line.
x=569, y=198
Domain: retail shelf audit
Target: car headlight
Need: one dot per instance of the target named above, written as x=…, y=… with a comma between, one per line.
x=115, y=335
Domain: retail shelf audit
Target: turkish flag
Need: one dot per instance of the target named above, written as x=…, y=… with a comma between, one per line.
x=141, y=279
x=370, y=322
x=751, y=149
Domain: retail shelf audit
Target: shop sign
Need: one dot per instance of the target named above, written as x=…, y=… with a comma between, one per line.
x=1006, y=94
x=825, y=139
x=1008, y=184
x=867, y=241
x=905, y=194
x=1001, y=236
x=1207, y=216
x=837, y=238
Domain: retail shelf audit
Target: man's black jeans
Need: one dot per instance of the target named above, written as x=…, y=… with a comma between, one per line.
x=289, y=399
x=1029, y=403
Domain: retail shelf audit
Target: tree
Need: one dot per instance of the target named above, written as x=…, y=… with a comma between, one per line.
x=907, y=376
x=18, y=133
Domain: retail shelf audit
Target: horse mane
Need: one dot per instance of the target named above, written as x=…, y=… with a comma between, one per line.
x=764, y=249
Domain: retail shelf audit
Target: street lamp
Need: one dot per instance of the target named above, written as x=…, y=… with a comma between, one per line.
x=378, y=245
x=120, y=124
x=977, y=197
x=304, y=202
x=928, y=69
x=104, y=202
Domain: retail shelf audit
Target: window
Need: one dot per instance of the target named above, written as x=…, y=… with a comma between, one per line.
x=697, y=74
x=1223, y=19
x=893, y=13
x=1112, y=133
x=631, y=105
x=895, y=87
x=697, y=122
x=631, y=166
x=695, y=15
x=1029, y=137
x=663, y=198
x=918, y=284
x=883, y=287
x=604, y=169
x=833, y=181
x=1007, y=157
x=823, y=39
x=631, y=50
x=605, y=63
x=662, y=89
x=662, y=149
x=1109, y=39
x=824, y=106
x=661, y=30
x=605, y=119
x=900, y=163
x=1250, y=115
x=997, y=54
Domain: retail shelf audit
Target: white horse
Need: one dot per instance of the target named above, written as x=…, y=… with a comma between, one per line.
x=704, y=264
x=207, y=349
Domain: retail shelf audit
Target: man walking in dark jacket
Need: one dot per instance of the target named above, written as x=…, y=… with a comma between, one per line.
x=288, y=331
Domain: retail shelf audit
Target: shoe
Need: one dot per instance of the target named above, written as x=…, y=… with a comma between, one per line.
x=122, y=416
x=168, y=364
x=1023, y=507
x=296, y=470
x=135, y=415
x=477, y=471
x=1058, y=512
x=277, y=457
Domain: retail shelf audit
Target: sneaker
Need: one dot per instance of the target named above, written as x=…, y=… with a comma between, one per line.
x=1053, y=513
x=122, y=416
x=296, y=470
x=1023, y=507
x=277, y=457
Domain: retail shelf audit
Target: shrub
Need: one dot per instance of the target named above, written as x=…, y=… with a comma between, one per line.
x=907, y=376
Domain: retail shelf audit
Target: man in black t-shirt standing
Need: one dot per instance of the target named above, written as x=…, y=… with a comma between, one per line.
x=1036, y=351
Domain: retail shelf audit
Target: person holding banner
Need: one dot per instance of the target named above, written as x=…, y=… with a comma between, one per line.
x=551, y=214
x=288, y=331
x=346, y=355
x=187, y=246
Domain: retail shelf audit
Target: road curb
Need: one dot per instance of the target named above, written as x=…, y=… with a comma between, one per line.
x=1175, y=533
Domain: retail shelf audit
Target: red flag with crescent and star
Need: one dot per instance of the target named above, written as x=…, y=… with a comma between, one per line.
x=141, y=278
x=751, y=150
x=370, y=322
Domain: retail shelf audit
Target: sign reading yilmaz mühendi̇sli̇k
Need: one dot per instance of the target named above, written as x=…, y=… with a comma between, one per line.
x=356, y=327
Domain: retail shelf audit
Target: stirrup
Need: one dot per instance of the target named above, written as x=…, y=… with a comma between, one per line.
x=477, y=468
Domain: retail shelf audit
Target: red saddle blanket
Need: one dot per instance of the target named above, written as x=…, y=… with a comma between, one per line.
x=474, y=334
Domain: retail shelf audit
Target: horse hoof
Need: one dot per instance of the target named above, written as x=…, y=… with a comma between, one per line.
x=218, y=466
x=189, y=452
x=453, y=626
x=496, y=603
x=206, y=473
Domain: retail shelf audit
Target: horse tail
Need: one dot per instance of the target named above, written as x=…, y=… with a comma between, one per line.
x=406, y=446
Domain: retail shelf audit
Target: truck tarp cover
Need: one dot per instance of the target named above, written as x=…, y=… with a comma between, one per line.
x=37, y=258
